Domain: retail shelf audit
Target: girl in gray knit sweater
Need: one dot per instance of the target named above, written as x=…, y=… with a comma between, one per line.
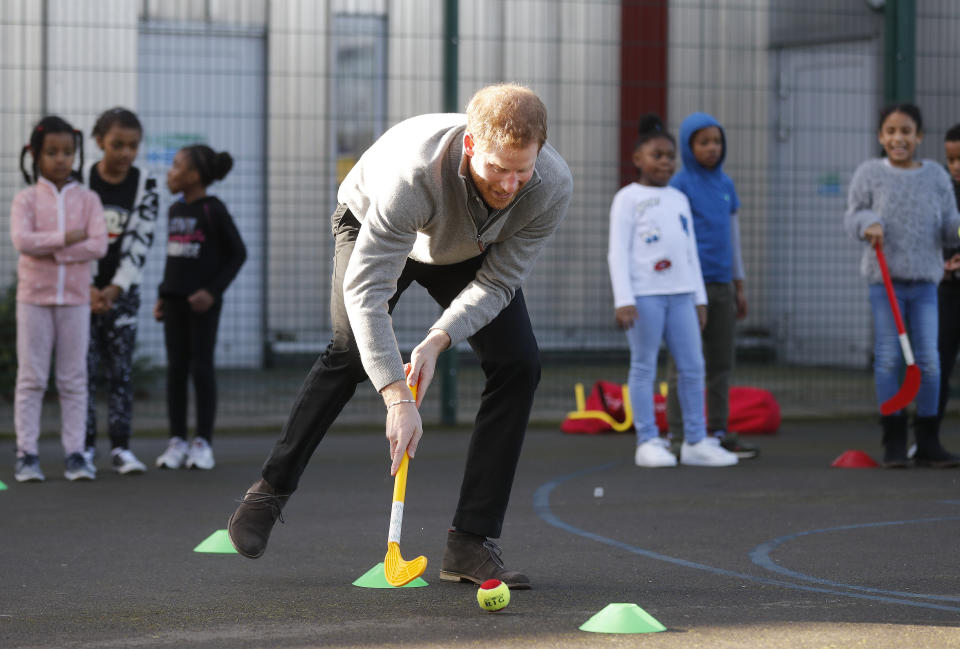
x=907, y=207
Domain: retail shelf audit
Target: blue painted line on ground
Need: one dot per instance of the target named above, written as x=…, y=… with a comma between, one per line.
x=541, y=505
x=760, y=555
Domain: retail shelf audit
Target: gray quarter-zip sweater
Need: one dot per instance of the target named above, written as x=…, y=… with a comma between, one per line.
x=411, y=192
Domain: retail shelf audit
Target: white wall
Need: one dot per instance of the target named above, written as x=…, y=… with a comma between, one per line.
x=568, y=54
x=20, y=104
x=299, y=198
x=938, y=74
x=718, y=63
x=91, y=64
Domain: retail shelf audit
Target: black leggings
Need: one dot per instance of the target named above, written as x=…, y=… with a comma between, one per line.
x=113, y=337
x=191, y=339
x=948, y=343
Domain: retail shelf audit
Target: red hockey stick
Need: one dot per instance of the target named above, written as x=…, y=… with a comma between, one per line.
x=911, y=380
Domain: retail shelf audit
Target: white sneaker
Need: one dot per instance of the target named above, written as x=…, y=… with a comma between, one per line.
x=28, y=469
x=90, y=454
x=654, y=453
x=200, y=455
x=77, y=468
x=174, y=456
x=125, y=462
x=706, y=452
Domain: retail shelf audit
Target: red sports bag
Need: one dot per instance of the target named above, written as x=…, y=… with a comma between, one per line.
x=606, y=397
x=753, y=411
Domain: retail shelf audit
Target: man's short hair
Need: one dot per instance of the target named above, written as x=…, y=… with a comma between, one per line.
x=507, y=115
x=953, y=134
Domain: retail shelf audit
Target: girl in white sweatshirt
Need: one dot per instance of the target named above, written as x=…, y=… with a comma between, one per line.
x=659, y=294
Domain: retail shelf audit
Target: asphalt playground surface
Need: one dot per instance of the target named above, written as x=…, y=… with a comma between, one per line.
x=783, y=551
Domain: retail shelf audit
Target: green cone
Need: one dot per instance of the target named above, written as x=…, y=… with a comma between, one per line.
x=2, y=486
x=374, y=578
x=218, y=543
x=622, y=618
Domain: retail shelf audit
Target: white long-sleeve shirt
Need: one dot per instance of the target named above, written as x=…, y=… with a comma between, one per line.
x=653, y=248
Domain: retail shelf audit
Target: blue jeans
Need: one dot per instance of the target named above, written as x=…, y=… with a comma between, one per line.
x=918, y=305
x=674, y=318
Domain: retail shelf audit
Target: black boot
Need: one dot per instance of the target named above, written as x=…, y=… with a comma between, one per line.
x=469, y=557
x=929, y=451
x=250, y=526
x=894, y=441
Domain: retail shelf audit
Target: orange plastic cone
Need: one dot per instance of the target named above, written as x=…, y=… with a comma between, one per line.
x=854, y=460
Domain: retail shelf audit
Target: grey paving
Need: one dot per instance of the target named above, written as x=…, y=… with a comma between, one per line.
x=783, y=551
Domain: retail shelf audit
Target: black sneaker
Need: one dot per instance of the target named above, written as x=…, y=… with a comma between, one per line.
x=473, y=558
x=733, y=443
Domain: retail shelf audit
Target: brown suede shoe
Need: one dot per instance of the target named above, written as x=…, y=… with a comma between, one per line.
x=250, y=526
x=475, y=558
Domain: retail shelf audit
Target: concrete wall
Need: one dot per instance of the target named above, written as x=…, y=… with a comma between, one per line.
x=568, y=53
x=20, y=104
x=938, y=71
x=73, y=60
x=568, y=56
x=720, y=60
x=719, y=63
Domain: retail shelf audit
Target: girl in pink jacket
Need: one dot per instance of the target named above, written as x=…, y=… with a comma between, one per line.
x=57, y=226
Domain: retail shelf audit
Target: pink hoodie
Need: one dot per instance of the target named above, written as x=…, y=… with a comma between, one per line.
x=49, y=272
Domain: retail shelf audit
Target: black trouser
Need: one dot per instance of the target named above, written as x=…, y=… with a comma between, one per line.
x=508, y=355
x=191, y=339
x=113, y=337
x=948, y=336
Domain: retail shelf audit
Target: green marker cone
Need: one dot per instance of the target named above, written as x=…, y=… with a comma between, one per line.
x=374, y=578
x=217, y=543
x=622, y=618
x=2, y=486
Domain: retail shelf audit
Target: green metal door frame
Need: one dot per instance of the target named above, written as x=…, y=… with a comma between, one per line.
x=447, y=363
x=899, y=51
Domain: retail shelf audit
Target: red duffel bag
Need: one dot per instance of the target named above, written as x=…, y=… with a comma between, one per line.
x=604, y=397
x=753, y=411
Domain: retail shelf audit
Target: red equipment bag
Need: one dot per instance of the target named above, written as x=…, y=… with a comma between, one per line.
x=753, y=411
x=660, y=412
x=606, y=397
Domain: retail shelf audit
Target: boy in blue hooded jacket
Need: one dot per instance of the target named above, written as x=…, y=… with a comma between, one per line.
x=714, y=203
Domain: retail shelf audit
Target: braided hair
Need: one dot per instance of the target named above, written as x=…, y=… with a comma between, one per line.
x=47, y=125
